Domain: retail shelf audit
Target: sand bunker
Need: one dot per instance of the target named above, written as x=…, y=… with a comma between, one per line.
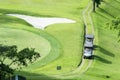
x=40, y=22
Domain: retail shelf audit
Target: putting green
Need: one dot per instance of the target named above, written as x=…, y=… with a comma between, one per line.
x=48, y=47
x=24, y=39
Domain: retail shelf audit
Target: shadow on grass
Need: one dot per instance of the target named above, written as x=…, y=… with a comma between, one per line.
x=102, y=15
x=104, y=11
x=117, y=1
x=104, y=51
x=114, y=6
x=33, y=76
x=96, y=57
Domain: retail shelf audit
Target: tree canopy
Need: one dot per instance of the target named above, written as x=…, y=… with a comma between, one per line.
x=96, y=3
x=9, y=56
x=114, y=25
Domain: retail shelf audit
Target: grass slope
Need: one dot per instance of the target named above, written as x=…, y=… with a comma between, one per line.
x=106, y=60
x=69, y=36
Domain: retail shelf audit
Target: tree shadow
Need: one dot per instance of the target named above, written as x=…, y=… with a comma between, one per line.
x=112, y=5
x=117, y=1
x=104, y=51
x=33, y=76
x=96, y=57
x=102, y=15
x=104, y=11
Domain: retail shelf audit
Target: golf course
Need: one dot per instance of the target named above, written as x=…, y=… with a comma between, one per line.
x=56, y=29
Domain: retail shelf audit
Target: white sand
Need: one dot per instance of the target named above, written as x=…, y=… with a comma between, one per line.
x=40, y=22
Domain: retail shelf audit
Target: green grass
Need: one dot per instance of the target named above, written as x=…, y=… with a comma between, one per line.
x=17, y=32
x=87, y=18
x=14, y=23
x=24, y=38
x=71, y=51
x=106, y=60
x=66, y=40
x=32, y=38
x=61, y=8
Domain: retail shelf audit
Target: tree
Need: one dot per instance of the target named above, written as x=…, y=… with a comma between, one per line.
x=96, y=3
x=9, y=56
x=114, y=25
x=93, y=5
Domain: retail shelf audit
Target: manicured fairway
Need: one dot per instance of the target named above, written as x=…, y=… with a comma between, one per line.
x=66, y=40
x=62, y=44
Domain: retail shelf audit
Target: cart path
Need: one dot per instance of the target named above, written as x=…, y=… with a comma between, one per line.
x=85, y=64
x=88, y=21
